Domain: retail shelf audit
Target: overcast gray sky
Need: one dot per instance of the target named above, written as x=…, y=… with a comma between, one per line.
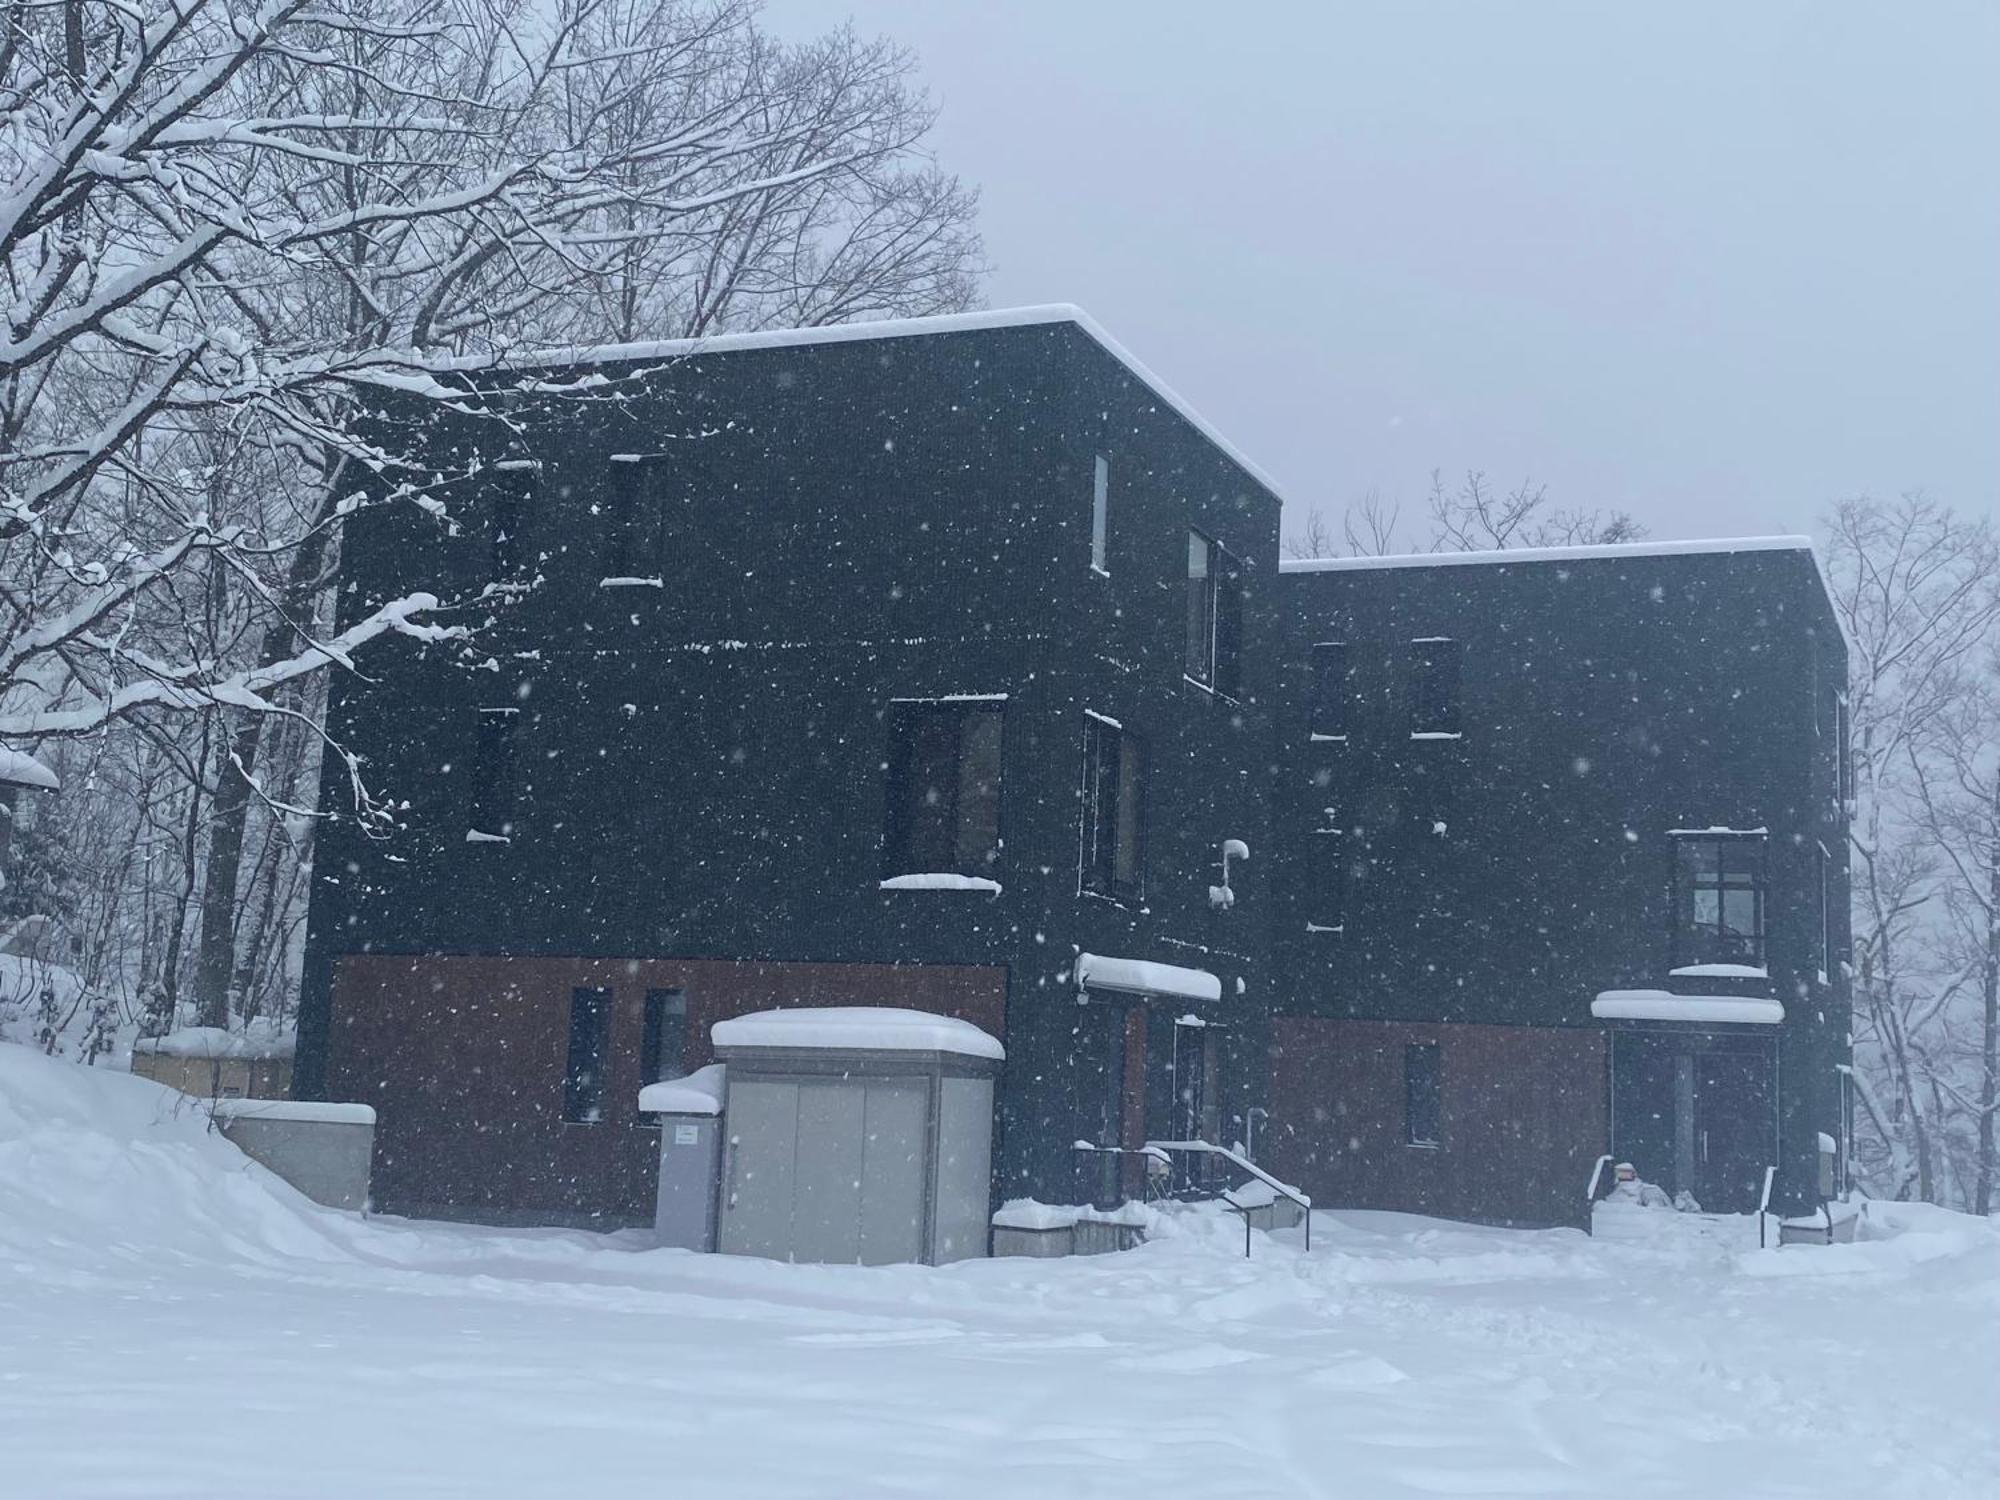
x=1717, y=264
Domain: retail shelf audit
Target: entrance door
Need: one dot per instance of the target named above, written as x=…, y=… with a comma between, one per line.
x=1735, y=1129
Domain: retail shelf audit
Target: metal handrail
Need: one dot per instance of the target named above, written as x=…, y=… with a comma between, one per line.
x=1241, y=1163
x=1590, y=1193
x=1764, y=1205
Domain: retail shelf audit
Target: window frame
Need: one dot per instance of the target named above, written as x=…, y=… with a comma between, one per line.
x=588, y=1057
x=1100, y=517
x=1218, y=594
x=901, y=837
x=1326, y=876
x=1437, y=688
x=1105, y=741
x=1330, y=693
x=515, y=489
x=1689, y=946
x=492, y=795
x=1417, y=1082
x=661, y=1004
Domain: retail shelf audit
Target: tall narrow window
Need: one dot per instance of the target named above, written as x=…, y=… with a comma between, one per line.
x=511, y=498
x=1214, y=616
x=1719, y=900
x=491, y=816
x=1422, y=1095
x=1100, y=516
x=1822, y=894
x=1844, y=768
x=944, y=789
x=1329, y=690
x=635, y=522
x=1435, y=674
x=1326, y=876
x=663, y=1037
x=589, y=1044
x=1114, y=810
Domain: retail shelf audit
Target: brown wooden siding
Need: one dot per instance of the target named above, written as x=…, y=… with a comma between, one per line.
x=1522, y=1115
x=464, y=1059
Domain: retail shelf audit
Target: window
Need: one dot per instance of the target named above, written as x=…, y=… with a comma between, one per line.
x=1326, y=876
x=1844, y=767
x=663, y=1038
x=1329, y=690
x=1422, y=1095
x=944, y=789
x=1100, y=516
x=492, y=811
x=589, y=1034
x=1719, y=902
x=1114, y=809
x=1215, y=616
x=513, y=493
x=634, y=536
x=1822, y=893
x=1434, y=685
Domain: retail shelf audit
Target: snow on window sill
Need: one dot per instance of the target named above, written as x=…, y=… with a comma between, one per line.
x=475, y=836
x=1098, y=572
x=1328, y=739
x=942, y=881
x=1436, y=734
x=1423, y=1145
x=1315, y=927
x=631, y=583
x=1720, y=971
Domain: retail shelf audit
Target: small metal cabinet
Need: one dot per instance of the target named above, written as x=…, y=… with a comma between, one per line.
x=856, y=1135
x=689, y=1114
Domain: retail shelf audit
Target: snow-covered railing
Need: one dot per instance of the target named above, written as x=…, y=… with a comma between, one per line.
x=1282, y=1189
x=1596, y=1175
x=1764, y=1203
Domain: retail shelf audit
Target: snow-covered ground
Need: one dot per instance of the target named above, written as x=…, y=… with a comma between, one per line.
x=174, y=1322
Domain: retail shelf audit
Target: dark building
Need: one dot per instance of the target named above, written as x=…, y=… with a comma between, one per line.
x=1562, y=871
x=946, y=665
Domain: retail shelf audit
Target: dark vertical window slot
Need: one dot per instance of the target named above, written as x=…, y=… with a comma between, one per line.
x=635, y=523
x=1114, y=810
x=663, y=1038
x=1100, y=515
x=1435, y=675
x=1228, y=676
x=1329, y=690
x=513, y=493
x=1844, y=768
x=1200, y=610
x=944, y=790
x=492, y=809
x=589, y=1047
x=1214, y=616
x=1326, y=876
x=1422, y=1095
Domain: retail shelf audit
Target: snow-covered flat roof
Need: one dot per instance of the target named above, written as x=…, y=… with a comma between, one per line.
x=857, y=1028
x=884, y=328
x=1143, y=976
x=1664, y=1005
x=1511, y=555
x=309, y=1111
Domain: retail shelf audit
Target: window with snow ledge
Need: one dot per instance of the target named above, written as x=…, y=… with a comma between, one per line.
x=1719, y=886
x=1114, y=810
x=490, y=815
x=1423, y=1095
x=589, y=1050
x=1325, y=895
x=1435, y=678
x=510, y=502
x=1214, y=617
x=944, y=790
x=1100, y=517
x=635, y=517
x=1330, y=691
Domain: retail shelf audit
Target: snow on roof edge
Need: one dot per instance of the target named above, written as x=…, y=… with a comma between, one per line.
x=890, y=328
x=1580, y=553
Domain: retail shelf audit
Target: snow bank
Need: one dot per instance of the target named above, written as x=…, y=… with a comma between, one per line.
x=860, y=1028
x=103, y=1167
x=213, y=1042
x=304, y=1111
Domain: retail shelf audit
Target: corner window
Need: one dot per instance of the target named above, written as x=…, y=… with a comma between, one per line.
x=1823, y=894
x=491, y=816
x=944, y=789
x=1100, y=516
x=1435, y=672
x=663, y=1038
x=1214, y=616
x=1844, y=751
x=1329, y=690
x=1422, y=1095
x=589, y=1036
x=1719, y=900
x=1114, y=809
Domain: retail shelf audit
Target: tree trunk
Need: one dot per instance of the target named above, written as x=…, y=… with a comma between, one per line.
x=1989, y=1059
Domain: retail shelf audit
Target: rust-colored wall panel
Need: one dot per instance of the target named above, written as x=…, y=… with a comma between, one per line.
x=1522, y=1118
x=464, y=1057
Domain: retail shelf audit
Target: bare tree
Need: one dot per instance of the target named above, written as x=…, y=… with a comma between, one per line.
x=1474, y=517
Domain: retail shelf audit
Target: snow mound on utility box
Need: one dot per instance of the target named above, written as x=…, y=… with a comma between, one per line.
x=101, y=1167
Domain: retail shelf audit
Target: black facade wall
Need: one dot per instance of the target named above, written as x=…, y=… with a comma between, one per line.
x=1604, y=702
x=700, y=766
